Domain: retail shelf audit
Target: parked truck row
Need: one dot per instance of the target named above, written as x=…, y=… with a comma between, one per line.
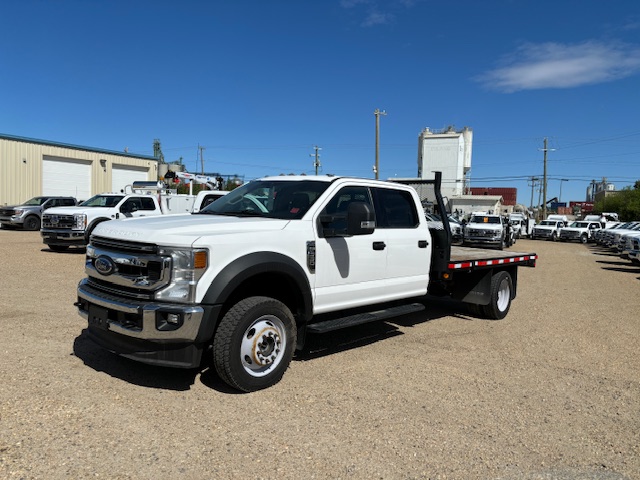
x=624, y=239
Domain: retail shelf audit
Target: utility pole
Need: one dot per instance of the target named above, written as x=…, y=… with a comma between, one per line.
x=533, y=184
x=316, y=162
x=201, y=158
x=376, y=168
x=544, y=182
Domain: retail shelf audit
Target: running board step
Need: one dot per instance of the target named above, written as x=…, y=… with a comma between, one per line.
x=361, y=318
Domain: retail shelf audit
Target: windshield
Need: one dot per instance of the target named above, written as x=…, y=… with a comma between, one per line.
x=484, y=219
x=35, y=201
x=579, y=225
x=102, y=201
x=269, y=198
x=548, y=222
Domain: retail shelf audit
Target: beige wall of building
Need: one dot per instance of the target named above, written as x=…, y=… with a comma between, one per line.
x=30, y=167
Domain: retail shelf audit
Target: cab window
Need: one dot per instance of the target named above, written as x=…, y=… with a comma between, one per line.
x=394, y=208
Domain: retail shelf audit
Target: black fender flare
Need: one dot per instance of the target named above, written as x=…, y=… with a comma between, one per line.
x=243, y=268
x=92, y=226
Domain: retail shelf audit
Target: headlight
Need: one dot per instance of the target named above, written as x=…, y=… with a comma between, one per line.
x=79, y=221
x=188, y=266
x=18, y=212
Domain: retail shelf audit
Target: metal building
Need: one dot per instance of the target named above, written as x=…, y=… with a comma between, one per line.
x=447, y=151
x=31, y=167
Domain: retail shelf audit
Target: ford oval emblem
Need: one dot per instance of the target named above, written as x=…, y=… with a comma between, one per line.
x=104, y=265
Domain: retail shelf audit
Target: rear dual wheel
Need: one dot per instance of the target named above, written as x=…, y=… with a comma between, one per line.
x=501, y=294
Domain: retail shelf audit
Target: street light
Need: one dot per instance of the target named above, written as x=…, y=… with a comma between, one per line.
x=560, y=196
x=376, y=167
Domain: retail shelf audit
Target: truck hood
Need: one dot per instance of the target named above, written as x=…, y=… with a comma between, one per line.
x=70, y=210
x=27, y=208
x=184, y=229
x=484, y=226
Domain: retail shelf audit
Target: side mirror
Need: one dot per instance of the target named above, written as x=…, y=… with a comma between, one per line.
x=361, y=219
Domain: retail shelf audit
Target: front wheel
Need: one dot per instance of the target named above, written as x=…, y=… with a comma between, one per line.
x=31, y=223
x=584, y=238
x=254, y=343
x=500, y=296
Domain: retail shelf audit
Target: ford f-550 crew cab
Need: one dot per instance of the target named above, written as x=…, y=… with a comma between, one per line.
x=251, y=275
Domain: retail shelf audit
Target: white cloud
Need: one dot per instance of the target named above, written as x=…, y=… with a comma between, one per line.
x=553, y=65
x=377, y=18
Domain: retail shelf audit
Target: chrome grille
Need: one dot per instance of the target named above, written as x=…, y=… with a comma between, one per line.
x=57, y=221
x=128, y=268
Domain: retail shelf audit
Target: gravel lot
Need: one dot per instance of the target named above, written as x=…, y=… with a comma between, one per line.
x=551, y=392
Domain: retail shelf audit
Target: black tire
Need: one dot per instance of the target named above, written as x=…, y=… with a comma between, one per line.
x=501, y=295
x=475, y=310
x=554, y=236
x=241, y=360
x=87, y=235
x=584, y=238
x=58, y=248
x=31, y=223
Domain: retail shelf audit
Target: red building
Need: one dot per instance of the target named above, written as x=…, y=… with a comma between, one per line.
x=509, y=195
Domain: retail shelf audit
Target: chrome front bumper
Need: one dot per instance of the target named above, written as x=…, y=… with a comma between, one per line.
x=149, y=321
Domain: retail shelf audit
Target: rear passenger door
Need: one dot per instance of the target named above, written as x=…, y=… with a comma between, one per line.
x=407, y=242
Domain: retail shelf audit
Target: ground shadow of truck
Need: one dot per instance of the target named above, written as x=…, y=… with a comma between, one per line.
x=318, y=345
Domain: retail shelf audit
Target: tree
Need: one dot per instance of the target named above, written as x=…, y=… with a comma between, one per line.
x=626, y=203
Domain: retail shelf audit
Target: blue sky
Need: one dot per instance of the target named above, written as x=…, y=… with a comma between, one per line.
x=258, y=84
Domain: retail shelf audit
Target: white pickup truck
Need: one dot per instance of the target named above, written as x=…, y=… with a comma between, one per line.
x=64, y=227
x=488, y=230
x=582, y=230
x=549, y=229
x=245, y=281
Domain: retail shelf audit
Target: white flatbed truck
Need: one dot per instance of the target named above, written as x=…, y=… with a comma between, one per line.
x=248, y=277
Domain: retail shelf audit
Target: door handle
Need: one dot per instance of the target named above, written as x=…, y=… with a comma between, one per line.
x=422, y=243
x=379, y=245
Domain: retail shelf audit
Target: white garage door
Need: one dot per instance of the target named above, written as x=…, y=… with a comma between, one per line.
x=66, y=177
x=123, y=175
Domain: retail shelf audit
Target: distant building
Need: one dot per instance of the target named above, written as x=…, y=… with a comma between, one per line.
x=447, y=151
x=464, y=205
x=509, y=195
x=31, y=167
x=598, y=189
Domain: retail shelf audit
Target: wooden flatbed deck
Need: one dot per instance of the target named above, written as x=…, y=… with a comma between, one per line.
x=461, y=254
